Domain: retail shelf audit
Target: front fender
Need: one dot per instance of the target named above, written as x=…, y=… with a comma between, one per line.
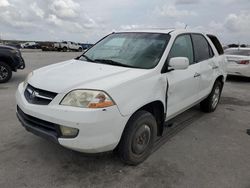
x=134, y=94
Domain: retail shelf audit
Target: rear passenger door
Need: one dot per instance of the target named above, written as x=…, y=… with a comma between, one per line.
x=205, y=58
x=183, y=85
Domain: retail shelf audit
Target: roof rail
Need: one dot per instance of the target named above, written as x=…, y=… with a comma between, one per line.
x=155, y=28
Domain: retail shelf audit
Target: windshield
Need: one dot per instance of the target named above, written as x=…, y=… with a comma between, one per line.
x=244, y=52
x=138, y=50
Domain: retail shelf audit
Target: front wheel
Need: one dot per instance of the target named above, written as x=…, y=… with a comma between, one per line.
x=5, y=72
x=65, y=49
x=138, y=138
x=211, y=102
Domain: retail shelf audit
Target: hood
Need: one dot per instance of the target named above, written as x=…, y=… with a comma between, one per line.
x=75, y=74
x=7, y=47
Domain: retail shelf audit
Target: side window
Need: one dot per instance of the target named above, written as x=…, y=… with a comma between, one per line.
x=202, y=49
x=217, y=44
x=182, y=47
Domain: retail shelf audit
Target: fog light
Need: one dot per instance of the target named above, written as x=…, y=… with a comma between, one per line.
x=68, y=132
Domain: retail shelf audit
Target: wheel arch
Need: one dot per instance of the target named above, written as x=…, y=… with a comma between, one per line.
x=8, y=61
x=221, y=79
x=156, y=108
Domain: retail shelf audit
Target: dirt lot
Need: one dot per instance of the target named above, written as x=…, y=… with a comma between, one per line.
x=205, y=150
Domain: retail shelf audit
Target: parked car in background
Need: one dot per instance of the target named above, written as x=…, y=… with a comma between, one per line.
x=47, y=46
x=67, y=45
x=10, y=60
x=31, y=45
x=120, y=93
x=86, y=46
x=238, y=61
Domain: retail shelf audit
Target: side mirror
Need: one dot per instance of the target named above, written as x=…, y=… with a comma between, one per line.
x=179, y=63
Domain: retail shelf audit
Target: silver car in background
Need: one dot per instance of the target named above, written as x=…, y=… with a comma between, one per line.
x=238, y=61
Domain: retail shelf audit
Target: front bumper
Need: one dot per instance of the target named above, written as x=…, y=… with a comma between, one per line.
x=21, y=64
x=100, y=130
x=41, y=128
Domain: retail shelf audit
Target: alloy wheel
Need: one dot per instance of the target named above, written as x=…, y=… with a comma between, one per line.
x=3, y=73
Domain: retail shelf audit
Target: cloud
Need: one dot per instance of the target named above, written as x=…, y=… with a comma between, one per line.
x=235, y=1
x=37, y=10
x=90, y=20
x=52, y=19
x=15, y=19
x=64, y=8
x=179, y=25
x=186, y=2
x=238, y=22
x=133, y=26
x=4, y=3
x=170, y=10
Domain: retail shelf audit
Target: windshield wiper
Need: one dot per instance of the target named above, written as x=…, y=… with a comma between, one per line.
x=86, y=57
x=111, y=62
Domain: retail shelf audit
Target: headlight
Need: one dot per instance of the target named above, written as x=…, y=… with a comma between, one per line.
x=25, y=83
x=87, y=99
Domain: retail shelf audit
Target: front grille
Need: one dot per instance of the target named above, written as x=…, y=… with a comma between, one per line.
x=38, y=96
x=33, y=122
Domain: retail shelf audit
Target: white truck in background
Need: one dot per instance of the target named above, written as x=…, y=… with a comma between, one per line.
x=67, y=45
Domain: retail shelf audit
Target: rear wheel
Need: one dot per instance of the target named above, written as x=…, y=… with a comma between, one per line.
x=211, y=102
x=80, y=49
x=5, y=72
x=138, y=138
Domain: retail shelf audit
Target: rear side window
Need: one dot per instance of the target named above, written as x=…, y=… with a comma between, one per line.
x=182, y=47
x=202, y=49
x=216, y=43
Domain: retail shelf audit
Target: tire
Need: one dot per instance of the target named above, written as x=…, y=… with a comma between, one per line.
x=80, y=50
x=211, y=102
x=65, y=49
x=5, y=72
x=138, y=138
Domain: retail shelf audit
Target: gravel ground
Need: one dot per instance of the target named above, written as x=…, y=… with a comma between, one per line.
x=202, y=150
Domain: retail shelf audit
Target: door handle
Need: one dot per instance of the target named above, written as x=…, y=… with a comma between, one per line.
x=197, y=75
x=215, y=67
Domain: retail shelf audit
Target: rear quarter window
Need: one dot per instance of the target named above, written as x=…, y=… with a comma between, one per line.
x=216, y=43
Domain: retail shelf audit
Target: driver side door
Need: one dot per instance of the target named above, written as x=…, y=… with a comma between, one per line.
x=183, y=85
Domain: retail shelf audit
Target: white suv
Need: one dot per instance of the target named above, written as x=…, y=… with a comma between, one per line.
x=121, y=91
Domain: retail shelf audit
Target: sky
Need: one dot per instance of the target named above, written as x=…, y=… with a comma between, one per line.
x=90, y=20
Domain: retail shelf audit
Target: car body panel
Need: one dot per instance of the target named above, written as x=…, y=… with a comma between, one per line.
x=94, y=124
x=12, y=56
